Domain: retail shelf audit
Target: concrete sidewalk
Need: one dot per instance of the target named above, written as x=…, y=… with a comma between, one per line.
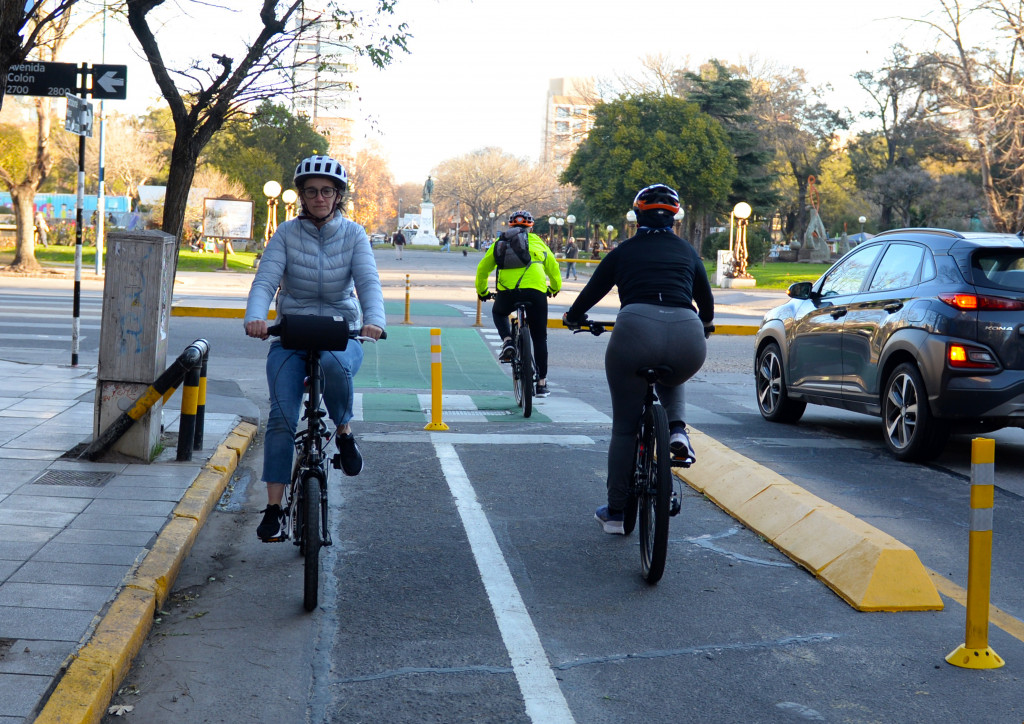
x=89, y=550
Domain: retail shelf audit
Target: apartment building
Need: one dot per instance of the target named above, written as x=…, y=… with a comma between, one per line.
x=568, y=119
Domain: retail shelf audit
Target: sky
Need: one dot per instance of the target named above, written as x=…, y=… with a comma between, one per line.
x=479, y=70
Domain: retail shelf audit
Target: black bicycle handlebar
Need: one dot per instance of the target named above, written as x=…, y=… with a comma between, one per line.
x=313, y=332
x=589, y=325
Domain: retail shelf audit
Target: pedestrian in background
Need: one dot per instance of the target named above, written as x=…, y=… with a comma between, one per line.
x=42, y=228
x=571, y=252
x=398, y=239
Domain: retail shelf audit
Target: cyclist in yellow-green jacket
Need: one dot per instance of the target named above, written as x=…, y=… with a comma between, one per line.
x=527, y=272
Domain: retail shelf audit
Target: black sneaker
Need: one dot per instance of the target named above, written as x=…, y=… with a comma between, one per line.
x=273, y=527
x=348, y=454
x=507, y=351
x=541, y=390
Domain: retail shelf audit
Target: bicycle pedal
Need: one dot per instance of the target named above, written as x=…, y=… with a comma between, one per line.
x=336, y=461
x=681, y=463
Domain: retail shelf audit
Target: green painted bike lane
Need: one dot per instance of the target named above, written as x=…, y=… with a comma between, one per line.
x=396, y=373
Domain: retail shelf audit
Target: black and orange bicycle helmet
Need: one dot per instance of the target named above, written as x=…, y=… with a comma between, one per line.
x=521, y=218
x=656, y=205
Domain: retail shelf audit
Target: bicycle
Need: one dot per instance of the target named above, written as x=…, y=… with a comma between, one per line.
x=652, y=491
x=306, y=495
x=524, y=371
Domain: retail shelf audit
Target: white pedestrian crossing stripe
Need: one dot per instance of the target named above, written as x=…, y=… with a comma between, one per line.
x=380, y=407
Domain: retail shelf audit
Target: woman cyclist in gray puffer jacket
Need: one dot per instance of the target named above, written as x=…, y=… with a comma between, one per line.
x=318, y=263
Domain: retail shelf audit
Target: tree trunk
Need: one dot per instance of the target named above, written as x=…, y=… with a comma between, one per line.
x=179, y=182
x=23, y=197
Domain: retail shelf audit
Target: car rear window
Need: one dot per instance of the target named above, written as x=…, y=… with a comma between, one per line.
x=1002, y=269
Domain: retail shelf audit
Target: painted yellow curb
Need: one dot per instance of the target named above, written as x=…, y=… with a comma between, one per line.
x=83, y=693
x=866, y=567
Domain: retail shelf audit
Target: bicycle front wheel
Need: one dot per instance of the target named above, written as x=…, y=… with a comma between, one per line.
x=655, y=494
x=523, y=382
x=311, y=539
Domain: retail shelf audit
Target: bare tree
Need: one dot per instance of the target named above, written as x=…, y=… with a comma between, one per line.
x=48, y=40
x=982, y=89
x=23, y=26
x=491, y=180
x=214, y=93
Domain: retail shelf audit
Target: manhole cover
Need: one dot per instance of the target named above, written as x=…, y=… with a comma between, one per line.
x=79, y=478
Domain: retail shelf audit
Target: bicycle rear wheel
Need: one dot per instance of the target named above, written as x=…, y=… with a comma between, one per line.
x=655, y=494
x=311, y=539
x=523, y=377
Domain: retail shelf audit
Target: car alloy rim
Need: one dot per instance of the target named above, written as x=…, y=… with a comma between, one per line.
x=769, y=378
x=901, y=411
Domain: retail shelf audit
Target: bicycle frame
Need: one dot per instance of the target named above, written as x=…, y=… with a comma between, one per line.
x=523, y=371
x=311, y=444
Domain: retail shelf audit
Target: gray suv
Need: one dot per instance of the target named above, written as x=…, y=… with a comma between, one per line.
x=923, y=328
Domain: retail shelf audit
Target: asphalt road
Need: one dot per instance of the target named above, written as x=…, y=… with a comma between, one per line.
x=418, y=623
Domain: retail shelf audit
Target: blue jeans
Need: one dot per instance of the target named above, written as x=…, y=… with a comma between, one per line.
x=286, y=373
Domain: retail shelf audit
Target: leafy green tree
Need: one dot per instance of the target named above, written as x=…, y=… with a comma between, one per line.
x=264, y=146
x=644, y=139
x=725, y=96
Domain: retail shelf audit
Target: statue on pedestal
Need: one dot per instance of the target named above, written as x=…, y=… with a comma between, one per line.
x=428, y=190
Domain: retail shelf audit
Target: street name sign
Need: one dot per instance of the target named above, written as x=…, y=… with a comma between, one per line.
x=101, y=82
x=42, y=79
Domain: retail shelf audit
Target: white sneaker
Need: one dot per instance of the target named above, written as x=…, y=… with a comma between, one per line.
x=679, y=444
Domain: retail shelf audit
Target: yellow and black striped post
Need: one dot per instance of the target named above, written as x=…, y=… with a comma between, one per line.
x=975, y=652
x=407, y=320
x=436, y=423
x=197, y=443
x=189, y=406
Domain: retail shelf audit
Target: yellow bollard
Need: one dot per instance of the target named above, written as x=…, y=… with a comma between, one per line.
x=407, y=300
x=435, y=382
x=975, y=652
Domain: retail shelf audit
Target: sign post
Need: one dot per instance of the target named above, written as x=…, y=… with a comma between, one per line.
x=78, y=121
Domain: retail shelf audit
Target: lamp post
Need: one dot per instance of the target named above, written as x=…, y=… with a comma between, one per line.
x=271, y=189
x=570, y=219
x=608, y=234
x=560, y=222
x=742, y=212
x=862, y=219
x=398, y=221
x=630, y=223
x=551, y=231
x=677, y=218
x=289, y=197
x=490, y=229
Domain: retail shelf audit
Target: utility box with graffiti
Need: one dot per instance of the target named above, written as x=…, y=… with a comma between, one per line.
x=137, y=294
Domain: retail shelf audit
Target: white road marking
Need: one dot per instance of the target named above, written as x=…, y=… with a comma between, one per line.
x=545, y=703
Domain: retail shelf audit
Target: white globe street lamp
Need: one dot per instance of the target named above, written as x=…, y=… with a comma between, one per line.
x=271, y=189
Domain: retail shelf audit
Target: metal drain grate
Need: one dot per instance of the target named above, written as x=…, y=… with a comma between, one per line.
x=78, y=478
x=471, y=413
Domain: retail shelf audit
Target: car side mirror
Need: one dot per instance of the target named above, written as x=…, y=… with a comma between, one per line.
x=800, y=290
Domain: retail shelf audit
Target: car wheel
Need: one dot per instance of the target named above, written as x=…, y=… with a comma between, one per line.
x=910, y=431
x=772, y=398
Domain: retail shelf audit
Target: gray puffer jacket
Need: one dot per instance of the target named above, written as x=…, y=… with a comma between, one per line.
x=326, y=271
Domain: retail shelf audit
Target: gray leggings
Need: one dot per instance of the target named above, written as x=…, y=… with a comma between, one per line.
x=644, y=336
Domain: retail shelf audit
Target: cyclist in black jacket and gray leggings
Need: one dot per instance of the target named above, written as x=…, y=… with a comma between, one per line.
x=660, y=279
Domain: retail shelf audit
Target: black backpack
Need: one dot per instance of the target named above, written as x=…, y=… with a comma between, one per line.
x=512, y=249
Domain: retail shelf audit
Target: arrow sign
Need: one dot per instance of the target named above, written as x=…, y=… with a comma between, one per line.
x=109, y=82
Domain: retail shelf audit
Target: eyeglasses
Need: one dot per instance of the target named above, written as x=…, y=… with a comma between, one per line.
x=328, y=192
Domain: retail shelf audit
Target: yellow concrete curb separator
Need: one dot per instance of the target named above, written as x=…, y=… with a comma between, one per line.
x=87, y=687
x=869, y=569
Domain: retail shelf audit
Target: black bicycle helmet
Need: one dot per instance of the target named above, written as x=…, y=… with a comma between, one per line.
x=521, y=218
x=324, y=167
x=656, y=206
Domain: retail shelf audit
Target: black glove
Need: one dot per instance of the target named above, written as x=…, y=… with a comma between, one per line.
x=708, y=330
x=484, y=297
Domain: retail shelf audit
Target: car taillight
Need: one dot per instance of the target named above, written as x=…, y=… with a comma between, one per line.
x=981, y=302
x=964, y=356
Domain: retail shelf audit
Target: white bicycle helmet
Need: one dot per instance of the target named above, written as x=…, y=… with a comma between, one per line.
x=323, y=166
